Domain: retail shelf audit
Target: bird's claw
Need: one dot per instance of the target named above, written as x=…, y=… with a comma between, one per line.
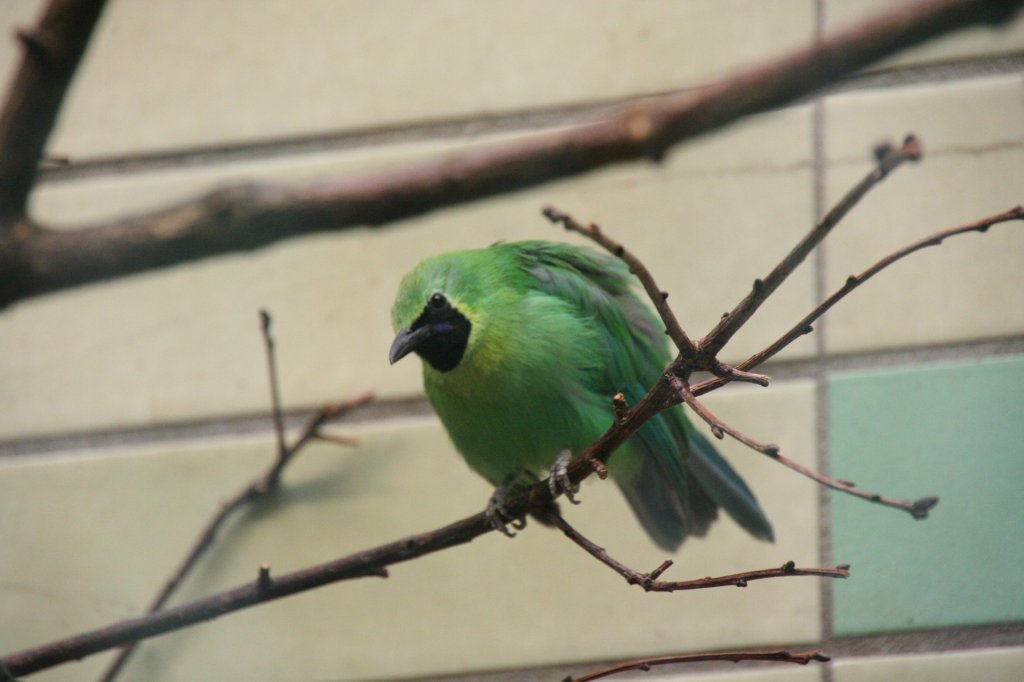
x=497, y=514
x=559, y=481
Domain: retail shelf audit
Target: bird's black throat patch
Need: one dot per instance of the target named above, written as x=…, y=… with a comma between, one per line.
x=444, y=346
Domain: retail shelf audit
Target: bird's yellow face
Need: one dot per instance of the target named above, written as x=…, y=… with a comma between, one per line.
x=432, y=317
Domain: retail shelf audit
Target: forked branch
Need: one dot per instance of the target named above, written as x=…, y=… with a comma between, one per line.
x=918, y=509
x=888, y=158
x=261, y=486
x=805, y=325
x=651, y=581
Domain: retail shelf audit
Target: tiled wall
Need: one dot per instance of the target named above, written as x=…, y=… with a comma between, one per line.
x=130, y=409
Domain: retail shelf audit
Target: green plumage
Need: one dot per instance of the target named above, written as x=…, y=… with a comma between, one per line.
x=524, y=345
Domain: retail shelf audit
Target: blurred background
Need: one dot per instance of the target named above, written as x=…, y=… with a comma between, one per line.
x=129, y=409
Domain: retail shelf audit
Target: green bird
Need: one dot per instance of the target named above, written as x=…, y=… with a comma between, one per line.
x=523, y=347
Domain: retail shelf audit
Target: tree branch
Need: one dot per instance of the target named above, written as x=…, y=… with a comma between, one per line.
x=249, y=216
x=673, y=386
x=650, y=582
x=261, y=486
x=659, y=297
x=703, y=355
x=888, y=159
x=50, y=55
x=645, y=664
x=918, y=509
x=804, y=326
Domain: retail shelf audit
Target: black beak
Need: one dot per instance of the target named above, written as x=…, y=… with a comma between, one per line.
x=407, y=341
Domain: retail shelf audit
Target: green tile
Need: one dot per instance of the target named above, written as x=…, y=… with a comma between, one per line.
x=953, y=430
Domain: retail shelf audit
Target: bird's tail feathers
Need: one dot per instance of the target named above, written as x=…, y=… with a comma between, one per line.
x=725, y=487
x=669, y=505
x=680, y=480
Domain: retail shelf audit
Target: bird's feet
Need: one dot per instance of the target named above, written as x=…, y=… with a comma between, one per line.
x=497, y=512
x=559, y=481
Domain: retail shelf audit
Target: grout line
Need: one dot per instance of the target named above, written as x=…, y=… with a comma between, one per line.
x=228, y=427
x=370, y=137
x=483, y=124
x=939, y=640
x=821, y=422
x=810, y=368
x=962, y=638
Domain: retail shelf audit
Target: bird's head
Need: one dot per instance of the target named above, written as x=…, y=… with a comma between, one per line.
x=432, y=315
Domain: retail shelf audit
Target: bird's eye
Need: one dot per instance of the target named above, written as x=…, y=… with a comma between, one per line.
x=438, y=301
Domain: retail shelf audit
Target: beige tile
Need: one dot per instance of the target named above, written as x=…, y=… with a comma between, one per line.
x=978, y=41
x=780, y=673
x=991, y=665
x=212, y=73
x=970, y=288
x=116, y=522
x=184, y=344
x=14, y=14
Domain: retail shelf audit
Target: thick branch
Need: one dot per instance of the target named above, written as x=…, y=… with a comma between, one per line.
x=247, y=217
x=50, y=55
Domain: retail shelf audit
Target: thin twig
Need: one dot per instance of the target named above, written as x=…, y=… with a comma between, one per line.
x=650, y=582
x=888, y=159
x=689, y=354
x=804, y=326
x=691, y=357
x=658, y=296
x=780, y=656
x=260, y=486
x=703, y=355
x=918, y=509
x=370, y=563
x=275, y=392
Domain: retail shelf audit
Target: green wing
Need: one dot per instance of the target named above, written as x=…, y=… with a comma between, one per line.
x=671, y=475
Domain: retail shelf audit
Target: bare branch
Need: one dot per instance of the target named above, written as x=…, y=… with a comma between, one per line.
x=249, y=216
x=918, y=509
x=690, y=356
x=804, y=326
x=658, y=296
x=50, y=55
x=780, y=656
x=275, y=391
x=888, y=159
x=650, y=582
x=262, y=485
x=373, y=562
